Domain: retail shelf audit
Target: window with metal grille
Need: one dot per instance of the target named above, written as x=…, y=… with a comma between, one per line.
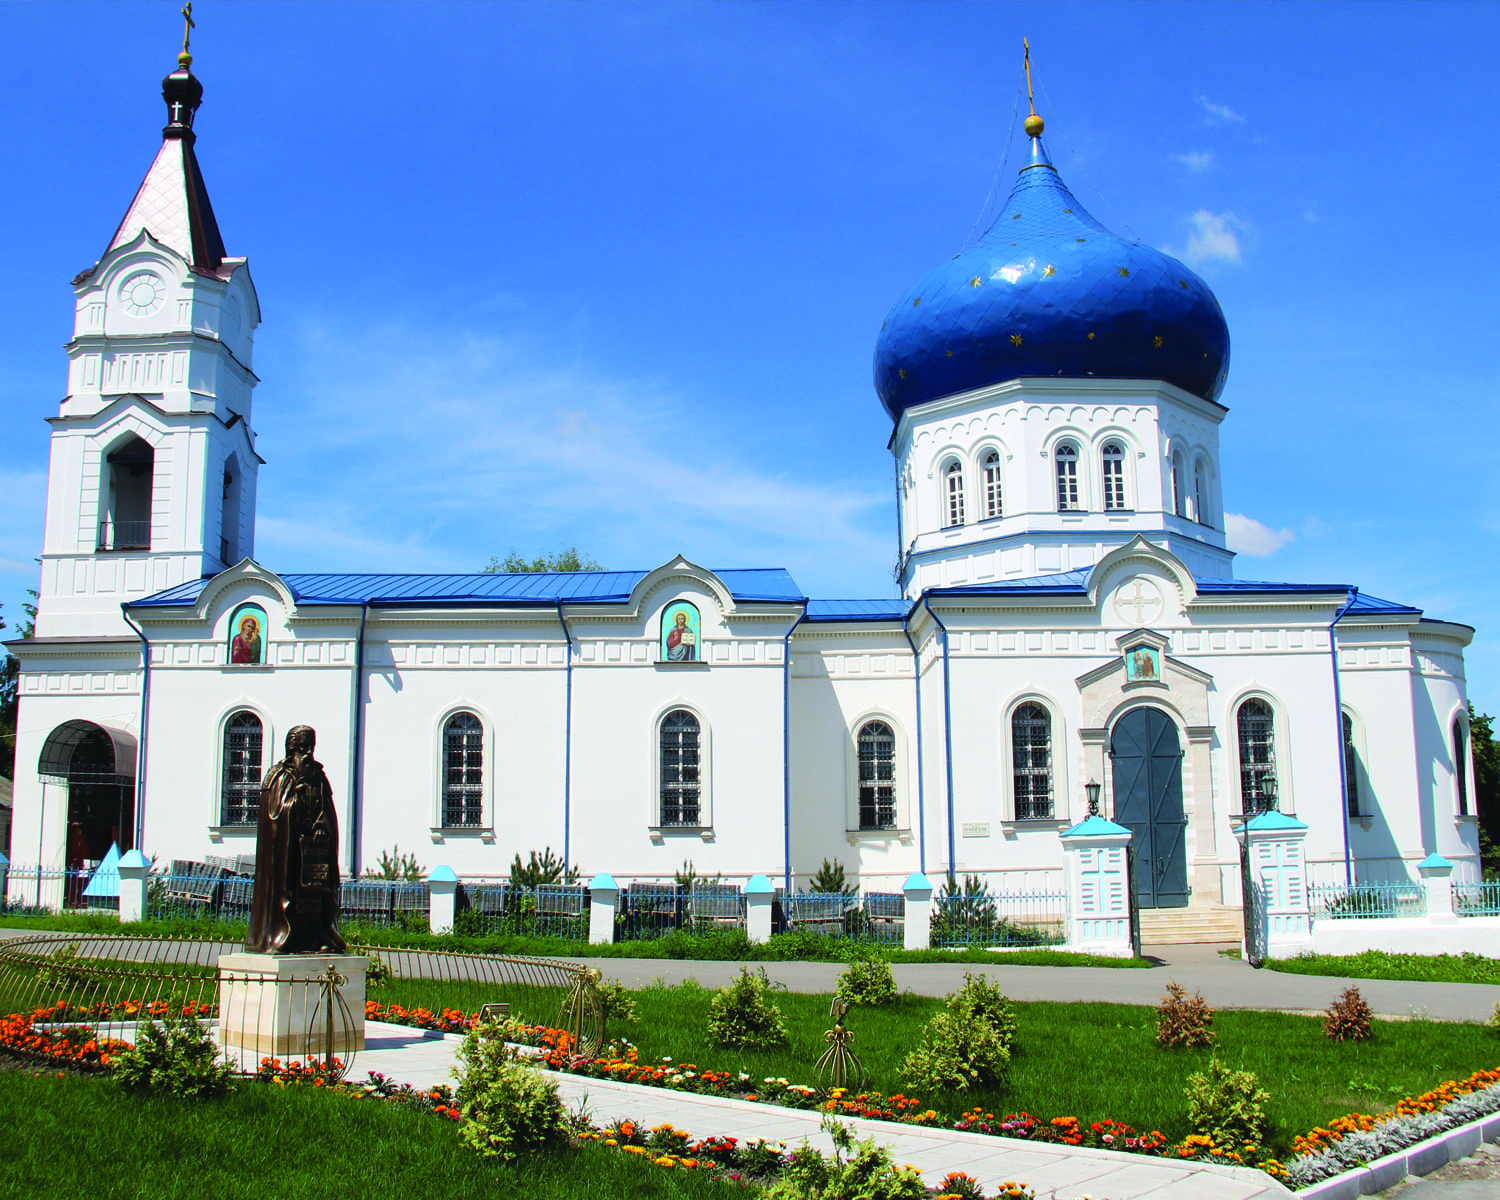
x=1351, y=768
x=1461, y=768
x=953, y=485
x=877, y=776
x=681, y=768
x=1257, y=757
x=239, y=798
x=1179, y=491
x=994, y=505
x=1067, y=478
x=1114, y=476
x=463, y=771
x=1031, y=755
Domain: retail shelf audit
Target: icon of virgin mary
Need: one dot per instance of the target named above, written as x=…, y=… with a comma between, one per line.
x=246, y=646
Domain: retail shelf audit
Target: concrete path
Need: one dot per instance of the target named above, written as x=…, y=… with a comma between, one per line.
x=1224, y=982
x=425, y=1059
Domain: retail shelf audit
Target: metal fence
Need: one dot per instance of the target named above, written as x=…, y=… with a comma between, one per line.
x=31, y=891
x=969, y=914
x=858, y=916
x=211, y=891
x=1477, y=899
x=1340, y=901
x=79, y=997
x=556, y=910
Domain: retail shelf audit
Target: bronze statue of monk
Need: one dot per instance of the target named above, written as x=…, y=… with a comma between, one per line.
x=295, y=905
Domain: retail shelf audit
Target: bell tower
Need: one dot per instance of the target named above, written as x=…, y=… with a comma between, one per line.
x=153, y=466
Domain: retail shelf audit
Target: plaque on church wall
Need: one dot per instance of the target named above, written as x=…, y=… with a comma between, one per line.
x=680, y=633
x=976, y=829
x=1143, y=665
x=247, y=636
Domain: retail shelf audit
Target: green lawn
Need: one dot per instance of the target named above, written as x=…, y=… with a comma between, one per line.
x=86, y=1137
x=1377, y=964
x=1087, y=1060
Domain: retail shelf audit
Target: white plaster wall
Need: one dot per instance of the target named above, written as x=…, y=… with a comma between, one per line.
x=1408, y=935
x=1438, y=698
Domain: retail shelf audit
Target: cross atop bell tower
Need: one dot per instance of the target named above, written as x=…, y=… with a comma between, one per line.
x=153, y=465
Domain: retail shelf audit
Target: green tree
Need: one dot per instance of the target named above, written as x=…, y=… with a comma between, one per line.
x=1486, y=787
x=10, y=680
x=567, y=558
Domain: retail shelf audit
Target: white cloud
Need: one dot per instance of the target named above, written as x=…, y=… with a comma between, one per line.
x=1198, y=161
x=1214, y=237
x=1218, y=114
x=1246, y=535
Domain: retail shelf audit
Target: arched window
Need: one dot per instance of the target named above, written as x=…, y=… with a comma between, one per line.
x=125, y=523
x=1114, y=476
x=463, y=771
x=229, y=523
x=1067, y=478
x=239, y=797
x=1179, y=485
x=953, y=495
x=994, y=501
x=1200, y=493
x=1257, y=757
x=1351, y=768
x=1461, y=767
x=877, y=776
x=1031, y=756
x=681, y=768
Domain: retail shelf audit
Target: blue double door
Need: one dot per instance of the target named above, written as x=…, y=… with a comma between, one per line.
x=1146, y=755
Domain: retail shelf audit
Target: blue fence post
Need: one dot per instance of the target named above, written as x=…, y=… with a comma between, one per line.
x=442, y=885
x=134, y=868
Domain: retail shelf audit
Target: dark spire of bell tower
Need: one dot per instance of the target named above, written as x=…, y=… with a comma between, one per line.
x=181, y=89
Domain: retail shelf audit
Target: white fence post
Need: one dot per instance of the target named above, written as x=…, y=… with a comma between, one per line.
x=604, y=902
x=1278, y=880
x=1437, y=878
x=442, y=886
x=918, y=931
x=759, y=896
x=135, y=872
x=1095, y=865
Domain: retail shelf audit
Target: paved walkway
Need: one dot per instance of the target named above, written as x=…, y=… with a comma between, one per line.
x=424, y=1059
x=1224, y=982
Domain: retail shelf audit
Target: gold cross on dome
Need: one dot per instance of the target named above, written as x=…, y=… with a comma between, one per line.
x=1030, y=100
x=188, y=26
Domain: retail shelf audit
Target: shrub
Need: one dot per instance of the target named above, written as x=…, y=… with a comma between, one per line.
x=1183, y=1020
x=397, y=866
x=617, y=1001
x=1347, y=1019
x=742, y=1015
x=866, y=980
x=538, y=871
x=508, y=1107
x=1227, y=1106
x=178, y=1057
x=862, y=1171
x=1494, y=1021
x=966, y=1045
x=829, y=878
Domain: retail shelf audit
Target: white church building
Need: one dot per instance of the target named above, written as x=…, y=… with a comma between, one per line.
x=1068, y=617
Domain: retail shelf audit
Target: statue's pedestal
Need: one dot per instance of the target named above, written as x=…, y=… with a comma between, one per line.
x=277, y=1005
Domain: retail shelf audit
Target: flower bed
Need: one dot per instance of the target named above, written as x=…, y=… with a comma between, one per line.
x=63, y=1032
x=1357, y=1139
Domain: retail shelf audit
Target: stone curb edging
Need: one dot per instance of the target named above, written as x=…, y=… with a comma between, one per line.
x=1421, y=1159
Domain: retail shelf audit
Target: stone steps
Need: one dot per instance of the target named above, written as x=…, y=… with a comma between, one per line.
x=1190, y=926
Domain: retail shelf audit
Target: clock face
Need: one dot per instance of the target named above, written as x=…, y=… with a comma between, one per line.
x=142, y=293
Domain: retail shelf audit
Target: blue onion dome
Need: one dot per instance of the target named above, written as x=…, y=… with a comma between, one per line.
x=1048, y=291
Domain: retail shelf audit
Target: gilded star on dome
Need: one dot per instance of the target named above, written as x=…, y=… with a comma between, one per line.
x=1080, y=239
x=916, y=302
x=1067, y=210
x=1015, y=339
x=950, y=354
x=974, y=282
x=1091, y=335
x=1051, y=270
x=1124, y=272
x=901, y=371
x=1183, y=282
x=1015, y=216
x=1156, y=341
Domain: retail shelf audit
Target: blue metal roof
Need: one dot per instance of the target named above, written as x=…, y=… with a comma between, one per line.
x=1048, y=291
x=857, y=610
x=769, y=585
x=1061, y=584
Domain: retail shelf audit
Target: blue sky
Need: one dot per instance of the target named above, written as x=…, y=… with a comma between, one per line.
x=535, y=274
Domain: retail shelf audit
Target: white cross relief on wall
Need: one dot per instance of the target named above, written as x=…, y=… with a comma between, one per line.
x=1139, y=601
